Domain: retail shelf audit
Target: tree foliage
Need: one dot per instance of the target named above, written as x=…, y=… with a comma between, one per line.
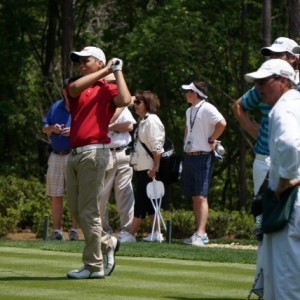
x=164, y=44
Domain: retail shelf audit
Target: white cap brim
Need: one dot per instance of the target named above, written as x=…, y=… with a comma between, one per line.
x=187, y=87
x=86, y=52
x=74, y=56
x=192, y=87
x=277, y=48
x=259, y=74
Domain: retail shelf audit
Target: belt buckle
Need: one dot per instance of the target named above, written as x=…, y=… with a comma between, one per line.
x=73, y=151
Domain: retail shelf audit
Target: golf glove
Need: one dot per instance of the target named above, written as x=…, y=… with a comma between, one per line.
x=117, y=64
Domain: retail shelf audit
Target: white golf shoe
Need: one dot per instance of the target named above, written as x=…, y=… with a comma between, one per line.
x=84, y=273
x=110, y=261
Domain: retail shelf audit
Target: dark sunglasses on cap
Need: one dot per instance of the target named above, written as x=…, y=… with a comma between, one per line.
x=187, y=91
x=137, y=102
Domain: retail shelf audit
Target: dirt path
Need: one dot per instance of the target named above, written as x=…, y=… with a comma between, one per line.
x=27, y=234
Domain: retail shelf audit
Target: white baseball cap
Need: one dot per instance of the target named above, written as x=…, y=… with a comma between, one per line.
x=88, y=51
x=192, y=87
x=271, y=67
x=281, y=44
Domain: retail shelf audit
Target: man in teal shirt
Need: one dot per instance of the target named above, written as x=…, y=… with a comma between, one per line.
x=282, y=48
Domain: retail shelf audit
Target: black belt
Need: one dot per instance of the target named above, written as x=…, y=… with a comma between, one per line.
x=118, y=148
x=62, y=152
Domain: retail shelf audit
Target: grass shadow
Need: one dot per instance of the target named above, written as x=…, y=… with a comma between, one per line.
x=20, y=278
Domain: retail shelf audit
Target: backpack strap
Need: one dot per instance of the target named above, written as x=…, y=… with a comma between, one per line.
x=146, y=148
x=144, y=145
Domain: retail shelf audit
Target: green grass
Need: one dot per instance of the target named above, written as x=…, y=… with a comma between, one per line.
x=176, y=250
x=37, y=270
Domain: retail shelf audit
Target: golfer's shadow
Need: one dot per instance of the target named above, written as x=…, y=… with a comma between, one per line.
x=23, y=278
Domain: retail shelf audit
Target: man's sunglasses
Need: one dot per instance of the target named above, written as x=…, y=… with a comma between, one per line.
x=266, y=79
x=280, y=54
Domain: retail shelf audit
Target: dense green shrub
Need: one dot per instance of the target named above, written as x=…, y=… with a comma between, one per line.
x=230, y=224
x=23, y=204
x=183, y=222
x=221, y=224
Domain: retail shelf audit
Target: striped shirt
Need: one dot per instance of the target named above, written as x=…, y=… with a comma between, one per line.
x=251, y=100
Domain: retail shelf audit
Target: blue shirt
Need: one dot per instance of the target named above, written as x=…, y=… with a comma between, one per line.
x=58, y=114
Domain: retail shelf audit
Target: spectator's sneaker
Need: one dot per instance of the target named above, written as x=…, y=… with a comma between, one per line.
x=156, y=237
x=197, y=240
x=56, y=236
x=110, y=257
x=126, y=237
x=205, y=238
x=84, y=273
x=73, y=236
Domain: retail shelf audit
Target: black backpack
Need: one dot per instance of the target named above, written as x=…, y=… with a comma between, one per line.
x=170, y=168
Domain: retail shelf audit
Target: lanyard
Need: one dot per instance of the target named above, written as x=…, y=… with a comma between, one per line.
x=192, y=122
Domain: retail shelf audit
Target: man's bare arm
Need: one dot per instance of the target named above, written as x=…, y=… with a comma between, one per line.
x=250, y=126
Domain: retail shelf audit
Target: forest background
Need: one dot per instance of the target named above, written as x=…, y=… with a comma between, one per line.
x=164, y=44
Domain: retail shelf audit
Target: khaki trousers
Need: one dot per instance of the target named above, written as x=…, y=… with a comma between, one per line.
x=119, y=178
x=85, y=180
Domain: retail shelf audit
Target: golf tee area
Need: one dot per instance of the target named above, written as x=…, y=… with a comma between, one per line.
x=37, y=270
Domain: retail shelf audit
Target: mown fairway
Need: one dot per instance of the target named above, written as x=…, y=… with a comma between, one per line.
x=40, y=274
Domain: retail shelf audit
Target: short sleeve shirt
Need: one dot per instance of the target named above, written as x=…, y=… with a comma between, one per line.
x=91, y=114
x=252, y=100
x=118, y=139
x=58, y=114
x=200, y=123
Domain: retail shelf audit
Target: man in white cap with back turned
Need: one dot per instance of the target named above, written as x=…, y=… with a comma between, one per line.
x=93, y=102
x=281, y=48
x=276, y=82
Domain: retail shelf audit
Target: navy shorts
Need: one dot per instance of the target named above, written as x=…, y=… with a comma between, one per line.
x=197, y=174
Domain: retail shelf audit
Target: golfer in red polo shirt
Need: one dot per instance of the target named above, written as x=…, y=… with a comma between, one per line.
x=92, y=104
